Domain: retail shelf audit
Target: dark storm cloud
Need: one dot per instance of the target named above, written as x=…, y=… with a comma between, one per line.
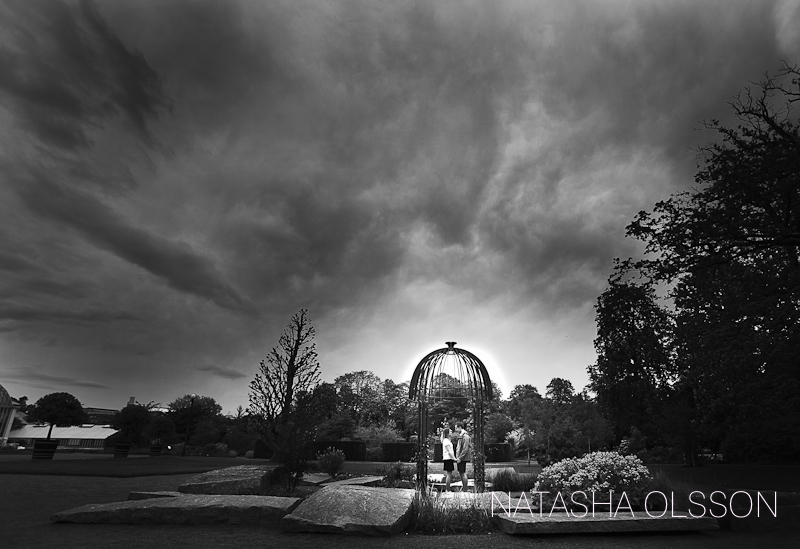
x=373, y=161
x=63, y=70
x=66, y=73
x=371, y=120
x=62, y=316
x=220, y=371
x=174, y=262
x=36, y=378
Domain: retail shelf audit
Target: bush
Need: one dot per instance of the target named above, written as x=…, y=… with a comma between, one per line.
x=434, y=515
x=276, y=479
x=511, y=481
x=173, y=449
x=240, y=441
x=331, y=461
x=374, y=453
x=9, y=448
x=249, y=454
x=596, y=472
x=396, y=472
x=214, y=450
x=354, y=450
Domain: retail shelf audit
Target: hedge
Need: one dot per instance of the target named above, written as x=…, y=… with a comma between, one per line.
x=398, y=451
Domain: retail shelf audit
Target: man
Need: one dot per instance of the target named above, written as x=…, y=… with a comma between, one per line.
x=463, y=454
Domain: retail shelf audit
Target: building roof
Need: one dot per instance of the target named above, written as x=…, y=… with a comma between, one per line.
x=79, y=431
x=5, y=398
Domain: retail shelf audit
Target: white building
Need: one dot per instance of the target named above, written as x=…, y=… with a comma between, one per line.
x=83, y=437
x=8, y=410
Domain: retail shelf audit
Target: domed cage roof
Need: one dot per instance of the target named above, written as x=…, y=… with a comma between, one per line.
x=450, y=373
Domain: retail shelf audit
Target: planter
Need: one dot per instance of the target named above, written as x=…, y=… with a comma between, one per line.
x=155, y=449
x=44, y=449
x=121, y=450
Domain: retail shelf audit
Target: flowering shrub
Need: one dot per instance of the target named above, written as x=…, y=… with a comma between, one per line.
x=393, y=473
x=331, y=461
x=596, y=472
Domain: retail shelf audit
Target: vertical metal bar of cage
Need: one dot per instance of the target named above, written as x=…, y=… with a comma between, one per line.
x=478, y=456
x=422, y=446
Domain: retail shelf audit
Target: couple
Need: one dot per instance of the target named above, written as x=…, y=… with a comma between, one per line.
x=461, y=456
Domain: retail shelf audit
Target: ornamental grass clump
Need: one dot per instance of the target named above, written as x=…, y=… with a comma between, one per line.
x=602, y=472
x=331, y=461
x=437, y=515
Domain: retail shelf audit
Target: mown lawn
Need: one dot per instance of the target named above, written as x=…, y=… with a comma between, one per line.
x=782, y=478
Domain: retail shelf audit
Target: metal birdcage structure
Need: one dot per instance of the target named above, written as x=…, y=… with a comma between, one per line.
x=446, y=374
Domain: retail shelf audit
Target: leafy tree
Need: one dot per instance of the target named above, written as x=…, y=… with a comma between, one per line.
x=161, y=428
x=299, y=429
x=749, y=207
x=731, y=250
x=289, y=372
x=555, y=429
x=595, y=430
x=337, y=427
x=560, y=391
x=132, y=420
x=362, y=394
x=518, y=394
x=182, y=412
x=633, y=352
x=398, y=406
x=60, y=409
x=497, y=426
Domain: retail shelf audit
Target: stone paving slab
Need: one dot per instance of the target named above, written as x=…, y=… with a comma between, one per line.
x=314, y=478
x=151, y=495
x=184, y=509
x=348, y=509
x=356, y=481
x=239, y=480
x=561, y=523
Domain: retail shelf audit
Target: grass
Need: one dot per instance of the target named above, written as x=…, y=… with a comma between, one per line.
x=124, y=468
x=781, y=478
x=436, y=515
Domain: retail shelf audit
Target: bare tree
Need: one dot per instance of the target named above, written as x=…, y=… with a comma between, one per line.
x=289, y=371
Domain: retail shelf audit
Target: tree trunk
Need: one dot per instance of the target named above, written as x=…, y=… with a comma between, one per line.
x=50, y=431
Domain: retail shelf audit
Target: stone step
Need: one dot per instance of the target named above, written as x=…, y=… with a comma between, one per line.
x=152, y=495
x=239, y=480
x=184, y=509
x=314, y=479
x=356, y=481
x=562, y=523
x=349, y=509
x=787, y=518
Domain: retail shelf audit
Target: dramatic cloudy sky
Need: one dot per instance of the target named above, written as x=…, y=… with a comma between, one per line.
x=179, y=177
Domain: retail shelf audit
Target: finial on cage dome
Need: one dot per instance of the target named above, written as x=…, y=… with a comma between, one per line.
x=450, y=344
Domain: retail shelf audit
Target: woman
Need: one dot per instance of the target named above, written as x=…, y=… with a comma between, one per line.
x=448, y=456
